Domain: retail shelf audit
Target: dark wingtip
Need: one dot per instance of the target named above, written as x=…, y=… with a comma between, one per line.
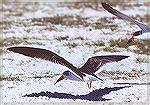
x=123, y=57
x=104, y=4
x=127, y=56
x=10, y=48
x=14, y=49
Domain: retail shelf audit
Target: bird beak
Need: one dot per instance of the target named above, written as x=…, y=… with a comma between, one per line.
x=61, y=78
x=131, y=40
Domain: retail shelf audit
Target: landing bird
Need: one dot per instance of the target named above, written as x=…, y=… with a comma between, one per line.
x=144, y=33
x=84, y=73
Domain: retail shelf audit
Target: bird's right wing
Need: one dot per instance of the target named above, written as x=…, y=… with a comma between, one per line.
x=44, y=54
x=94, y=63
x=123, y=16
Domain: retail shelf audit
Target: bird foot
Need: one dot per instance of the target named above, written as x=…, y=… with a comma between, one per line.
x=90, y=85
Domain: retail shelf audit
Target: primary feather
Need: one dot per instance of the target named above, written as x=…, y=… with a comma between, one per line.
x=90, y=67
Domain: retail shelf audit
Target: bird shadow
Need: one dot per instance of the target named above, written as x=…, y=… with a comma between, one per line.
x=132, y=83
x=95, y=95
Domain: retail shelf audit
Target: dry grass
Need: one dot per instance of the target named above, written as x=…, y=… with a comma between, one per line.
x=93, y=4
x=96, y=5
x=16, y=41
x=78, y=38
x=71, y=45
x=67, y=38
x=9, y=78
x=99, y=43
x=66, y=20
x=49, y=22
x=18, y=77
x=141, y=60
x=142, y=47
x=5, y=24
x=106, y=23
x=12, y=41
x=144, y=19
x=116, y=75
x=47, y=74
x=96, y=43
x=118, y=43
x=110, y=49
x=61, y=38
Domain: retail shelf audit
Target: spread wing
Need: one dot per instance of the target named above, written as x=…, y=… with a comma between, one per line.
x=94, y=63
x=46, y=55
x=123, y=16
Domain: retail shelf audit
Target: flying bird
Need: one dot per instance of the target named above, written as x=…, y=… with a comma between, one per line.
x=144, y=33
x=84, y=73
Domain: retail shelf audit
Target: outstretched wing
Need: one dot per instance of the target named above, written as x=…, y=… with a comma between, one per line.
x=123, y=16
x=44, y=54
x=94, y=63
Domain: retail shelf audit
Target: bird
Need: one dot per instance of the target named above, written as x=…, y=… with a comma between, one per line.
x=84, y=73
x=143, y=34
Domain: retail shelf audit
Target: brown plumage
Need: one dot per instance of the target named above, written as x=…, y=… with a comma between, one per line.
x=90, y=67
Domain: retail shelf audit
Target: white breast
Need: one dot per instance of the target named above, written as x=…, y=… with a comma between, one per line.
x=90, y=78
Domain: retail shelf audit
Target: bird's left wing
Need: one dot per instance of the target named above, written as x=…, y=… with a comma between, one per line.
x=46, y=55
x=94, y=63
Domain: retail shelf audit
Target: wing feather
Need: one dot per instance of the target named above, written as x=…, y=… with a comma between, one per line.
x=94, y=63
x=46, y=55
x=125, y=17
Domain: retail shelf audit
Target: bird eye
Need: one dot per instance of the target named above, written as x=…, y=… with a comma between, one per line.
x=66, y=73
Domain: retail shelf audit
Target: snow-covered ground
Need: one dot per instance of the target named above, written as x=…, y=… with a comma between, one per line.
x=76, y=32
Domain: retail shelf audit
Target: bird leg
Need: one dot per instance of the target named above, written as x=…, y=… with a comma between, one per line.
x=89, y=84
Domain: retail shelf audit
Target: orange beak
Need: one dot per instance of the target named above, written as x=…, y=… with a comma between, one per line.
x=131, y=40
x=61, y=78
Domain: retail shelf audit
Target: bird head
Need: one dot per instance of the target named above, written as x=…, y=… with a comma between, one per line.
x=137, y=33
x=69, y=75
x=65, y=75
